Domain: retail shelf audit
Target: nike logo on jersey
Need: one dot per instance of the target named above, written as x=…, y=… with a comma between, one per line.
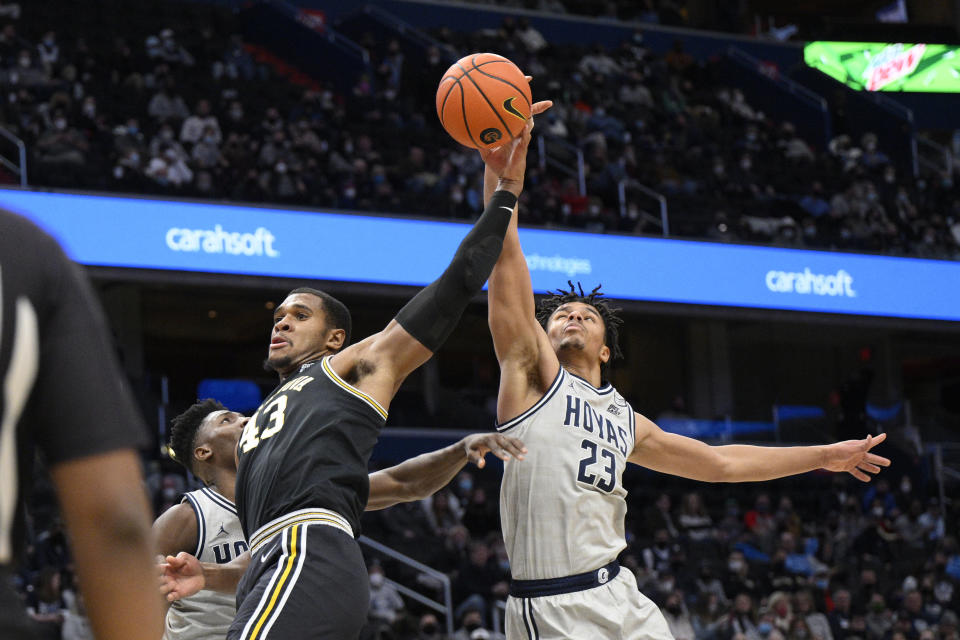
x=510, y=209
x=267, y=554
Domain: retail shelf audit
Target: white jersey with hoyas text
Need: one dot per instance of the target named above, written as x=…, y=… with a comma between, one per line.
x=208, y=614
x=562, y=508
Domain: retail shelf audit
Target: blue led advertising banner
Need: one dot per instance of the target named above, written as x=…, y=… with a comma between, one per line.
x=187, y=236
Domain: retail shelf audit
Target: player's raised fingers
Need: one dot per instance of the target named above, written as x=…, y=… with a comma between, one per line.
x=860, y=475
x=869, y=468
x=873, y=458
x=876, y=440
x=539, y=107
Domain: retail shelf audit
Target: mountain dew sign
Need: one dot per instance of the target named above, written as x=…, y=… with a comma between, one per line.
x=871, y=66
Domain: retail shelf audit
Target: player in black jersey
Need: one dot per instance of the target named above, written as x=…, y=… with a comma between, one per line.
x=61, y=391
x=302, y=474
x=204, y=440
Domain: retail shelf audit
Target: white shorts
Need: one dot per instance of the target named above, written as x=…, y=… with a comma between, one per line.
x=613, y=611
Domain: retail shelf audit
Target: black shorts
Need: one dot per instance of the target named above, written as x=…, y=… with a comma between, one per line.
x=308, y=581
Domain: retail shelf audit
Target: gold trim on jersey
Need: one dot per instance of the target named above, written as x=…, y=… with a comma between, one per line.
x=327, y=369
x=320, y=516
x=281, y=585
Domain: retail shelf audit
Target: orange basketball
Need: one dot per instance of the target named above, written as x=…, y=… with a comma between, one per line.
x=483, y=100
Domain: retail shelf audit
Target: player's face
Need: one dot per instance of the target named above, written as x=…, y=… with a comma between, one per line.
x=299, y=333
x=220, y=431
x=577, y=328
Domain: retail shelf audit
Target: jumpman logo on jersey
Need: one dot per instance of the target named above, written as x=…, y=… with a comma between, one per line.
x=222, y=532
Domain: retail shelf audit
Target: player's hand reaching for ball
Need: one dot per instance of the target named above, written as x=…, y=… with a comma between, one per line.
x=854, y=457
x=509, y=161
x=182, y=576
x=478, y=445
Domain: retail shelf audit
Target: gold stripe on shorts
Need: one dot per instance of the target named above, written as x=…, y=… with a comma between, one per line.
x=281, y=583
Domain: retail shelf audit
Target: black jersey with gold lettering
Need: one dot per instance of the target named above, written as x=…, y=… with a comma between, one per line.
x=308, y=446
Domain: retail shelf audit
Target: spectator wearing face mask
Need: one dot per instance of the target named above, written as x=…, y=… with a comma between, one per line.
x=878, y=619
x=194, y=126
x=166, y=138
x=677, y=616
x=741, y=624
x=26, y=72
x=429, y=628
x=659, y=557
x=171, y=52
x=472, y=626
x=61, y=145
x=167, y=105
x=48, y=51
x=385, y=602
x=737, y=578
x=931, y=521
x=206, y=153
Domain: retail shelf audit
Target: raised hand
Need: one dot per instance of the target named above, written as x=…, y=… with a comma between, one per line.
x=509, y=161
x=182, y=576
x=854, y=457
x=478, y=445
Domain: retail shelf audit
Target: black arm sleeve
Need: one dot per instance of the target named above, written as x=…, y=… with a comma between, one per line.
x=433, y=313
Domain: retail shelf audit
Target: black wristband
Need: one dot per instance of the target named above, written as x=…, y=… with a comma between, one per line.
x=503, y=198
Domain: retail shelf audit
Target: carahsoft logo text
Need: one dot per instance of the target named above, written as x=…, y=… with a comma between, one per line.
x=216, y=240
x=806, y=282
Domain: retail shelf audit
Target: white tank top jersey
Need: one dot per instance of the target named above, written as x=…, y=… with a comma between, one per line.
x=208, y=614
x=562, y=508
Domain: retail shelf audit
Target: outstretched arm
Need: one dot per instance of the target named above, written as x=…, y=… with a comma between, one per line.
x=681, y=456
x=424, y=475
x=527, y=361
x=381, y=362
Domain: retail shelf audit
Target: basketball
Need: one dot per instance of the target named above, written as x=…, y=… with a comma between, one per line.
x=483, y=100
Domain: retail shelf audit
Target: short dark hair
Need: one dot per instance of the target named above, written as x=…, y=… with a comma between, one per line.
x=338, y=316
x=609, y=315
x=183, y=430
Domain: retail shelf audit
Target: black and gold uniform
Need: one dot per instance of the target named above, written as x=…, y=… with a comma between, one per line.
x=302, y=475
x=302, y=485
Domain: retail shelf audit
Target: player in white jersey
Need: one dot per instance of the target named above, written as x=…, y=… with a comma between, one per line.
x=562, y=511
x=205, y=523
x=208, y=614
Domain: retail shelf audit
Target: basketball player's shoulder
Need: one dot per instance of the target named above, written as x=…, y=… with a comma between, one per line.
x=19, y=233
